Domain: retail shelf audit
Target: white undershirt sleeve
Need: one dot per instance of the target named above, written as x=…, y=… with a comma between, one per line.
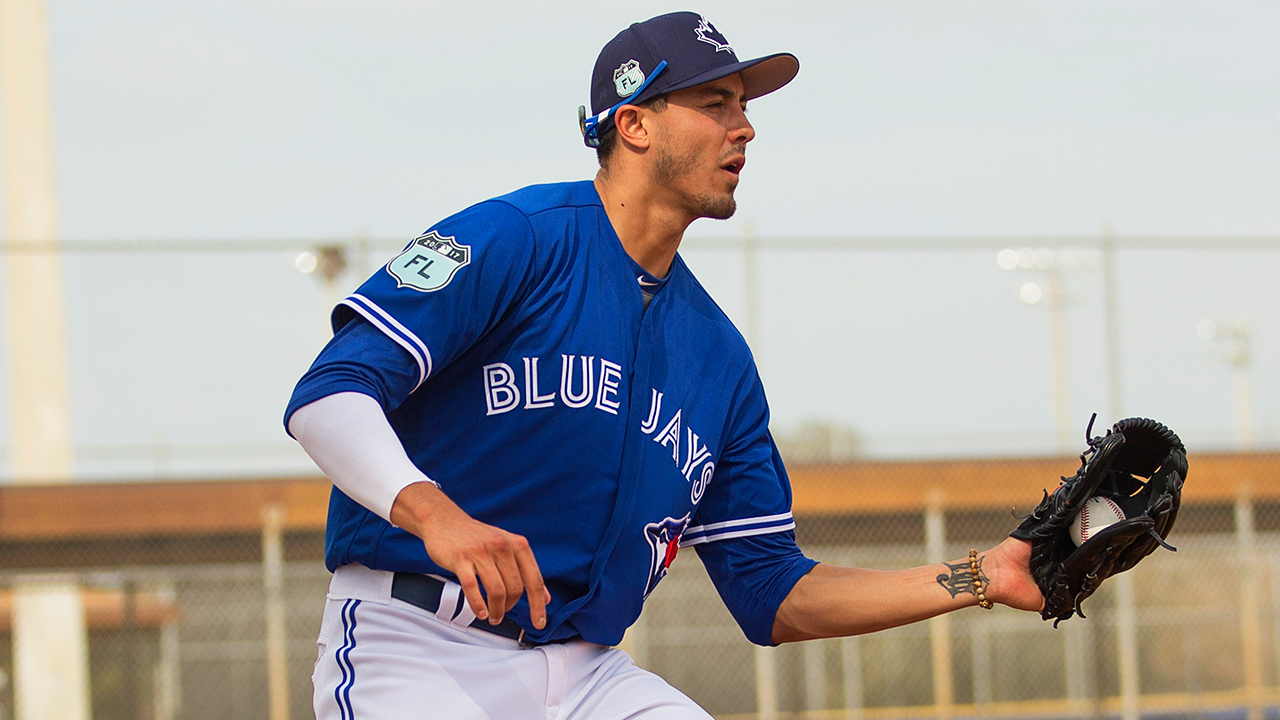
x=349, y=438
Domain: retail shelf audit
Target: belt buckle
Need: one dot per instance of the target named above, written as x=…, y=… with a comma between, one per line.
x=520, y=639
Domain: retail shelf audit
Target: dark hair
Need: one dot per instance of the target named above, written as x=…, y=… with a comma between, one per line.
x=609, y=136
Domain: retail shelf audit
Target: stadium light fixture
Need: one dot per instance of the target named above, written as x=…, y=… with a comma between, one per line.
x=306, y=262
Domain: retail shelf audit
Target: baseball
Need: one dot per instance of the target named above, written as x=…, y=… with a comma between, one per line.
x=1097, y=513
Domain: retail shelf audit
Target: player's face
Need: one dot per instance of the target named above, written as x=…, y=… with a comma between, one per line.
x=700, y=146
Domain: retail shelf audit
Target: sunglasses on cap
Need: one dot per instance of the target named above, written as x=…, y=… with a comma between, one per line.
x=591, y=126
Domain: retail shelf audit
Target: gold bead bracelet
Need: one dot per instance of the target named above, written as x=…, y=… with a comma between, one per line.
x=978, y=588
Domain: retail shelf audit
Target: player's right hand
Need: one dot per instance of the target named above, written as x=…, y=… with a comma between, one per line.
x=479, y=555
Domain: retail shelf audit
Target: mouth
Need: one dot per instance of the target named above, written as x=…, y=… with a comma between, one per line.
x=734, y=165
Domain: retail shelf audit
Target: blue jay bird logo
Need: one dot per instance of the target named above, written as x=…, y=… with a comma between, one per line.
x=708, y=34
x=664, y=543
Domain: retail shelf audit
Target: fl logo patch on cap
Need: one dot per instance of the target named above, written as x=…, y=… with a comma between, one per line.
x=429, y=263
x=628, y=77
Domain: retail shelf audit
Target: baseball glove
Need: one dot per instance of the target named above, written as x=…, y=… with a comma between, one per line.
x=1140, y=465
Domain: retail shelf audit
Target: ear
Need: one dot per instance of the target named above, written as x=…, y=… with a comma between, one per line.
x=630, y=124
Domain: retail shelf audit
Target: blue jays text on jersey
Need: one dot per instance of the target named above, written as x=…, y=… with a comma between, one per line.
x=524, y=371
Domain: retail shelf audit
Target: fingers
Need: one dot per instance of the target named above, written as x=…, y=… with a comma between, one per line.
x=471, y=589
x=539, y=596
x=493, y=566
x=491, y=578
x=495, y=572
x=513, y=586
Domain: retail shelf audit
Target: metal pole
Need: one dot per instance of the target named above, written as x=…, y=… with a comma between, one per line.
x=1073, y=640
x=766, y=684
x=815, y=676
x=1115, y=393
x=935, y=533
x=1250, y=623
x=851, y=659
x=1235, y=336
x=168, y=696
x=273, y=583
x=50, y=645
x=50, y=651
x=1244, y=403
x=1275, y=604
x=1191, y=665
x=894, y=666
x=1127, y=643
x=363, y=256
x=133, y=664
x=1058, y=339
x=750, y=277
x=981, y=651
x=37, y=344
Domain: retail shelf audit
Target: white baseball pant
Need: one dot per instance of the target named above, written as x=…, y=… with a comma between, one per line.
x=386, y=659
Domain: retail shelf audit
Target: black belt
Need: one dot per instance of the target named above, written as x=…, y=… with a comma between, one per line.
x=424, y=591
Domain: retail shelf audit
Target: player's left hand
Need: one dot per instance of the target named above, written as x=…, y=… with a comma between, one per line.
x=1007, y=567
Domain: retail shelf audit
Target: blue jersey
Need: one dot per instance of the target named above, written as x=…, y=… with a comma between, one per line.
x=525, y=371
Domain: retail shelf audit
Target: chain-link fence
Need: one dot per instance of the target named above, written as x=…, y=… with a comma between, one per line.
x=179, y=627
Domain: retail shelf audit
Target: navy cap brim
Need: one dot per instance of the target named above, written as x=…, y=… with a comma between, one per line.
x=760, y=76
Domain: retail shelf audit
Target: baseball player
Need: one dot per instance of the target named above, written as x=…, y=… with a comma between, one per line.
x=528, y=411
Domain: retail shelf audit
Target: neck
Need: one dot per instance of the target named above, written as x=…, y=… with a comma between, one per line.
x=649, y=227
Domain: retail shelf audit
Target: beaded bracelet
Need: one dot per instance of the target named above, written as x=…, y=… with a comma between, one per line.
x=978, y=587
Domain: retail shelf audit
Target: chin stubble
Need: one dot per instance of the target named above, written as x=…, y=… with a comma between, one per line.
x=718, y=207
x=668, y=167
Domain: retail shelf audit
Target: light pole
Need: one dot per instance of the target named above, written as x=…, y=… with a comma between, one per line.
x=1111, y=318
x=1235, y=351
x=1050, y=291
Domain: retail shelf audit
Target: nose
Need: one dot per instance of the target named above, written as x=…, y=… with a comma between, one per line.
x=742, y=132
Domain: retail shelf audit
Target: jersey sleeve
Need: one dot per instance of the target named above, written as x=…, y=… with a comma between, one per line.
x=743, y=529
x=449, y=286
x=359, y=359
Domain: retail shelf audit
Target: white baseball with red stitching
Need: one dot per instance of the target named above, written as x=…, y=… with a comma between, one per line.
x=1097, y=513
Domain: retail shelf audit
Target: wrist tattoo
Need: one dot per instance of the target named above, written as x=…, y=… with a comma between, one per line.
x=960, y=579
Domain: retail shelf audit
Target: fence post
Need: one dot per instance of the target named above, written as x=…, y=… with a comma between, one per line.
x=1075, y=640
x=168, y=679
x=1250, y=623
x=1127, y=643
x=1274, y=571
x=751, y=281
x=815, y=676
x=277, y=638
x=766, y=683
x=50, y=650
x=851, y=659
x=1192, y=667
x=935, y=534
x=981, y=651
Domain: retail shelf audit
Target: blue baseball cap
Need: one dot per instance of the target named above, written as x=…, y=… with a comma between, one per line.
x=668, y=53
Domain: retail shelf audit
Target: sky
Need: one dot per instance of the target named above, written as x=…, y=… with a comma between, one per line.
x=303, y=120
